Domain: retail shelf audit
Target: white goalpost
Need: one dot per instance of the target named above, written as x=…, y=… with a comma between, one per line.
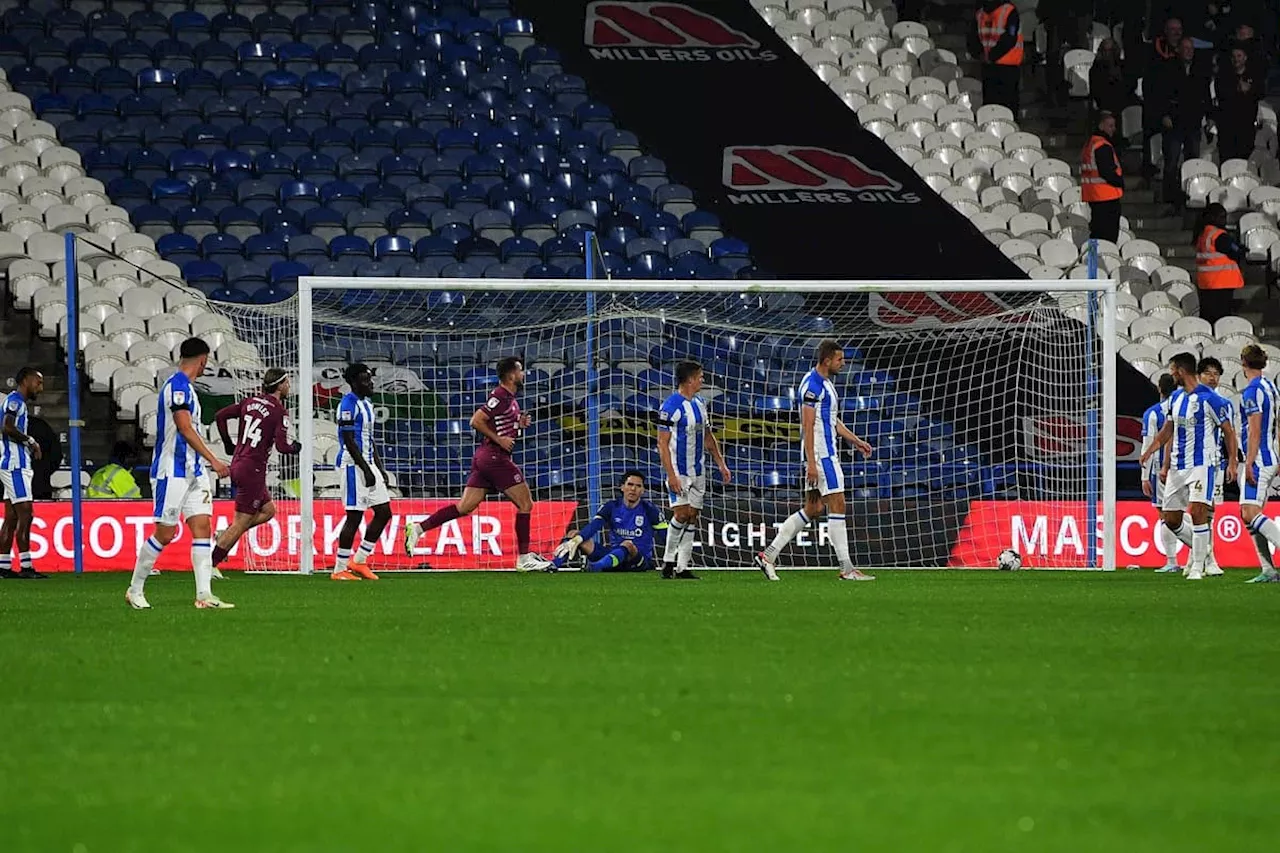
x=992, y=414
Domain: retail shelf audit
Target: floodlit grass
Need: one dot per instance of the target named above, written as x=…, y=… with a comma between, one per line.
x=923, y=712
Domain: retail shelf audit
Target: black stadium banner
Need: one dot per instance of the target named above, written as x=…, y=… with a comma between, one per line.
x=740, y=119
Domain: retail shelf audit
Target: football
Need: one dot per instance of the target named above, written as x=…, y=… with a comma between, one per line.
x=1009, y=561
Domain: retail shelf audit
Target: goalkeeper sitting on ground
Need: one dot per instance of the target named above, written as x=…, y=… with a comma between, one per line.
x=632, y=523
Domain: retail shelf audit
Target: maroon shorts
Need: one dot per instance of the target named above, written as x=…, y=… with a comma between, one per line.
x=493, y=469
x=250, y=482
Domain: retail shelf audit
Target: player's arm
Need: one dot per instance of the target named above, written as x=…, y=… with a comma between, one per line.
x=12, y=433
x=482, y=423
x=352, y=447
x=223, y=420
x=1255, y=444
x=569, y=547
x=1233, y=448
x=1162, y=438
x=377, y=460
x=668, y=464
x=859, y=444
x=658, y=523
x=282, y=442
x=808, y=420
x=714, y=446
x=187, y=429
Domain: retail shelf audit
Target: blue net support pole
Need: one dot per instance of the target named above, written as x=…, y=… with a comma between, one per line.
x=594, y=491
x=74, y=423
x=1092, y=451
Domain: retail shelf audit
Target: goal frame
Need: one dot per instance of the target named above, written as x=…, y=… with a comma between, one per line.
x=1101, y=331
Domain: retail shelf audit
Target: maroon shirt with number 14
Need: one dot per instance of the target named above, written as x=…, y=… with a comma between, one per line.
x=263, y=423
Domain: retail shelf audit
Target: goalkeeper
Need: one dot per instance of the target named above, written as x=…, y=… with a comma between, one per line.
x=633, y=524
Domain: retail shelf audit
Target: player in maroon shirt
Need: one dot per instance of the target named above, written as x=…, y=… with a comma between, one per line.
x=264, y=423
x=492, y=469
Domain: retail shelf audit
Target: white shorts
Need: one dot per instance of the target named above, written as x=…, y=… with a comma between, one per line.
x=178, y=498
x=693, y=492
x=357, y=496
x=830, y=477
x=17, y=485
x=1256, y=495
x=1190, y=486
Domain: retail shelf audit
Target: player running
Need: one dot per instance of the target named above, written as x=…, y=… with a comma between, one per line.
x=180, y=481
x=1210, y=370
x=632, y=523
x=499, y=422
x=18, y=449
x=1190, y=467
x=820, y=425
x=364, y=478
x=264, y=424
x=684, y=434
x=1152, y=421
x=1259, y=420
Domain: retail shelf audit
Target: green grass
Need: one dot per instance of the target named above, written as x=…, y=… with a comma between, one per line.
x=924, y=712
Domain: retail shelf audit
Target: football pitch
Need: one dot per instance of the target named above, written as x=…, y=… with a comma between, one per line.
x=928, y=711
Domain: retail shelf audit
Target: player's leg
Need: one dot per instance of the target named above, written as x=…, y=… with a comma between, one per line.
x=240, y=525
x=586, y=549
x=168, y=497
x=686, y=507
x=253, y=507
x=614, y=558
x=1168, y=541
x=1177, y=497
x=1264, y=531
x=197, y=509
x=7, y=529
x=519, y=494
x=766, y=560
x=477, y=489
x=355, y=507
x=1211, y=567
x=378, y=521
x=18, y=489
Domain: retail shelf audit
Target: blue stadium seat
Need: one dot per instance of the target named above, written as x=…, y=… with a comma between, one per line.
x=177, y=56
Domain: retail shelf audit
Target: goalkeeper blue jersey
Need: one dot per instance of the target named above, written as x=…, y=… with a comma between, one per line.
x=638, y=523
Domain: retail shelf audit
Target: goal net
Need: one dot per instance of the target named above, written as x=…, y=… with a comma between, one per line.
x=989, y=411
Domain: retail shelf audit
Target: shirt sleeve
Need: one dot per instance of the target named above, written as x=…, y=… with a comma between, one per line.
x=13, y=407
x=280, y=423
x=348, y=416
x=656, y=520
x=180, y=394
x=668, y=416
x=1249, y=403
x=1220, y=409
x=496, y=405
x=597, y=523
x=224, y=416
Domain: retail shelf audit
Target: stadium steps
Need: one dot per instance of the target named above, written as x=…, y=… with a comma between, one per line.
x=22, y=348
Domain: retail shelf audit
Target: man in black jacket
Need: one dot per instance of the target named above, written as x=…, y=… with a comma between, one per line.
x=1181, y=93
x=1156, y=67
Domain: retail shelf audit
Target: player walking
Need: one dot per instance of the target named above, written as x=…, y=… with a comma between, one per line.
x=264, y=424
x=180, y=481
x=1153, y=420
x=499, y=422
x=1259, y=421
x=364, y=478
x=820, y=425
x=1190, y=467
x=632, y=523
x=684, y=436
x=1210, y=370
x=17, y=451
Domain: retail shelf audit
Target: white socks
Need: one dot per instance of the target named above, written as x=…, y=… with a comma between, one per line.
x=362, y=553
x=676, y=533
x=1201, y=542
x=202, y=566
x=1183, y=532
x=840, y=540
x=786, y=532
x=147, y=555
x=340, y=564
x=1264, y=531
x=684, y=556
x=1169, y=541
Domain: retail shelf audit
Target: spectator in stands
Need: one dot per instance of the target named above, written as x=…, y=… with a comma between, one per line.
x=1182, y=93
x=1218, y=259
x=115, y=479
x=1163, y=55
x=1101, y=180
x=1066, y=25
x=1238, y=90
x=997, y=40
x=1245, y=38
x=1110, y=90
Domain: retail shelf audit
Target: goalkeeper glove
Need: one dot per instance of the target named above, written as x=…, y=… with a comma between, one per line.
x=568, y=548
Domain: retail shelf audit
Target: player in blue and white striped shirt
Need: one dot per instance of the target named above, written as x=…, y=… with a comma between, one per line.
x=820, y=429
x=180, y=481
x=1260, y=440
x=684, y=436
x=1196, y=414
x=1210, y=370
x=1153, y=420
x=17, y=451
x=364, y=479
